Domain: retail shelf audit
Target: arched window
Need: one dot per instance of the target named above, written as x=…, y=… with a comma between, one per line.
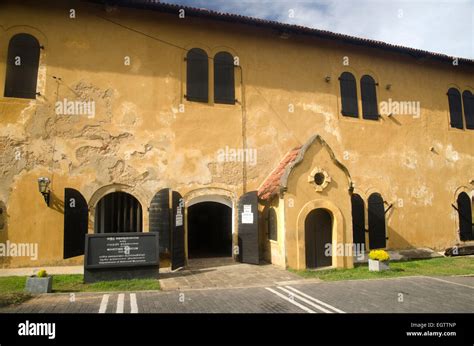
x=22, y=67
x=468, y=101
x=358, y=220
x=348, y=87
x=224, y=85
x=465, y=217
x=369, y=98
x=272, y=225
x=376, y=213
x=455, y=108
x=118, y=212
x=197, y=75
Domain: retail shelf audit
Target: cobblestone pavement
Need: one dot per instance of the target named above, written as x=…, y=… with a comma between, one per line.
x=407, y=294
x=224, y=273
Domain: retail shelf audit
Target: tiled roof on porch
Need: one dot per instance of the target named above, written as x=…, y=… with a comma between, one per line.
x=272, y=183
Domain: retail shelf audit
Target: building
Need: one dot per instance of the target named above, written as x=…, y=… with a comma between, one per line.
x=135, y=109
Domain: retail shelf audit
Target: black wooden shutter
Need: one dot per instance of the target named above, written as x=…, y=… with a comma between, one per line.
x=224, y=84
x=348, y=87
x=272, y=225
x=177, y=235
x=21, y=79
x=455, y=108
x=159, y=218
x=465, y=217
x=76, y=217
x=358, y=219
x=468, y=101
x=376, y=211
x=248, y=228
x=369, y=98
x=197, y=75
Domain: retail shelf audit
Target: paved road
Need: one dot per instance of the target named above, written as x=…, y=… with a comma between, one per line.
x=407, y=294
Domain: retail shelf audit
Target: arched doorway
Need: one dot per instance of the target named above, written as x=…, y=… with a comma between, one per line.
x=118, y=212
x=209, y=230
x=318, y=238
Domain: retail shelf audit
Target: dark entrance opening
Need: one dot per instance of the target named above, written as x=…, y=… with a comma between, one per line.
x=318, y=238
x=209, y=230
x=118, y=212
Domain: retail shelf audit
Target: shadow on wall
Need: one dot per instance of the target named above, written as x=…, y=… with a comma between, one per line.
x=56, y=204
x=395, y=238
x=4, y=260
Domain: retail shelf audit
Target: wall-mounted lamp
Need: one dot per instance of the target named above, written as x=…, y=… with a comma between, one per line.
x=327, y=79
x=388, y=86
x=43, y=187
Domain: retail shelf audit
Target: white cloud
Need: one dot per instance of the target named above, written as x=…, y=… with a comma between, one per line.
x=439, y=26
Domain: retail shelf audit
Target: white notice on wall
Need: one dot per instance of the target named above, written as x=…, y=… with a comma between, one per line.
x=179, y=217
x=247, y=215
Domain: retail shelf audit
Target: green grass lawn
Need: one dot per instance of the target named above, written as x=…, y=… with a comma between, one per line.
x=429, y=267
x=12, y=287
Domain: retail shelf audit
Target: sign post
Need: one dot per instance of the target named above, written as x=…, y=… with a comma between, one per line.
x=117, y=256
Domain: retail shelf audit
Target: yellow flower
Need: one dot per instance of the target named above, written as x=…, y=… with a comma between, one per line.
x=42, y=273
x=379, y=255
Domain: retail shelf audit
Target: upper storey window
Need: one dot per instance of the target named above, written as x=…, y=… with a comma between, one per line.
x=224, y=86
x=197, y=76
x=455, y=108
x=456, y=105
x=348, y=86
x=22, y=67
x=468, y=102
x=369, y=98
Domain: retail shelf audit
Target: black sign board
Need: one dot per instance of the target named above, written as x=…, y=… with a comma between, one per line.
x=114, y=256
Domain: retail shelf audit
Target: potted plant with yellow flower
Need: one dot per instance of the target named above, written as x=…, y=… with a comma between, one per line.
x=39, y=283
x=378, y=260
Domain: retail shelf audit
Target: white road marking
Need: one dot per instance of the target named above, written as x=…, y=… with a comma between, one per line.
x=450, y=282
x=291, y=301
x=133, y=303
x=315, y=300
x=103, y=304
x=307, y=301
x=120, y=300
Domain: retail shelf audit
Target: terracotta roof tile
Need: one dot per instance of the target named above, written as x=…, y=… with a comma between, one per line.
x=282, y=27
x=271, y=185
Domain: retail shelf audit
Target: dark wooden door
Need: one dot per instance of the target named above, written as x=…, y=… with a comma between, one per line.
x=318, y=239
x=248, y=237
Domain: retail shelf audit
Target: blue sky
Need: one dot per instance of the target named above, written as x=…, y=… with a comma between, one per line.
x=438, y=26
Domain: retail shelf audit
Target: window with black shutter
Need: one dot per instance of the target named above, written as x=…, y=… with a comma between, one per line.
x=376, y=213
x=348, y=86
x=224, y=86
x=358, y=220
x=369, y=98
x=455, y=108
x=466, y=227
x=468, y=101
x=197, y=75
x=272, y=225
x=22, y=67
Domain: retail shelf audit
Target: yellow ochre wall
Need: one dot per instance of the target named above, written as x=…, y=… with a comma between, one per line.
x=140, y=142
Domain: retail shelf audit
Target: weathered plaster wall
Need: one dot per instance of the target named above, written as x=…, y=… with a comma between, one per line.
x=141, y=141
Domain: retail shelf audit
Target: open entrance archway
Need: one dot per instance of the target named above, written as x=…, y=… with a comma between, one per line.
x=209, y=230
x=118, y=212
x=318, y=237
